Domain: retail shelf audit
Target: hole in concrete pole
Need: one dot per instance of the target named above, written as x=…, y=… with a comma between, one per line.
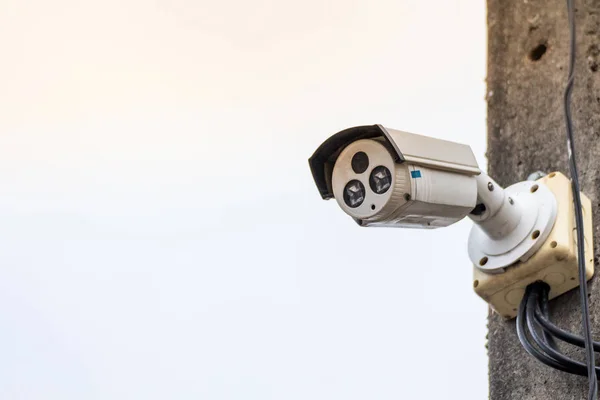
x=538, y=52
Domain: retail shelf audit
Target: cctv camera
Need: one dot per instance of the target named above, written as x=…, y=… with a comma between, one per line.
x=386, y=177
x=521, y=234
x=401, y=179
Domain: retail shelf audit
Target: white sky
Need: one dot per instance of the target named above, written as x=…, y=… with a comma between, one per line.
x=160, y=233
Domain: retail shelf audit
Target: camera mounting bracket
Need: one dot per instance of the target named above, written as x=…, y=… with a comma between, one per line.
x=554, y=262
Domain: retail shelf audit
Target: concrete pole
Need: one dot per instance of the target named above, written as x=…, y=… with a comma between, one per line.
x=527, y=67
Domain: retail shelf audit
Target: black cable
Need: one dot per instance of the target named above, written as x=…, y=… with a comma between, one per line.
x=544, y=350
x=534, y=300
x=545, y=311
x=585, y=312
x=522, y=334
x=560, y=333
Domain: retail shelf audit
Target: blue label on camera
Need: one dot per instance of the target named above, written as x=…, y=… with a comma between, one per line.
x=415, y=174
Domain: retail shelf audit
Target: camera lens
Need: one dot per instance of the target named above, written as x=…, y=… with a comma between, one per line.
x=360, y=162
x=354, y=193
x=380, y=179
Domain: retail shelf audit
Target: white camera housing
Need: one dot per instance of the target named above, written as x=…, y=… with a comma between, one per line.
x=414, y=196
x=432, y=181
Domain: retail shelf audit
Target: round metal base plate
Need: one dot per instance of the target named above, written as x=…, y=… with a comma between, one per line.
x=539, y=209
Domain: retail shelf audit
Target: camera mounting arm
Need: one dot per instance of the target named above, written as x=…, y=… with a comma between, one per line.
x=510, y=224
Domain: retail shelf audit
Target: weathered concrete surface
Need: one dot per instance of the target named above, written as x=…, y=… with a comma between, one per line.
x=526, y=133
